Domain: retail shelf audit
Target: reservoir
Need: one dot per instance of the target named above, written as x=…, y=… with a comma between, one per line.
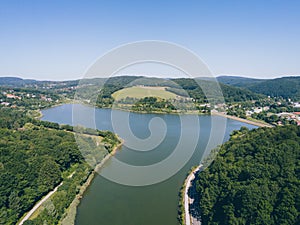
x=108, y=202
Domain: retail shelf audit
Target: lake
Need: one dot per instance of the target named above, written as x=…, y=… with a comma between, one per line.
x=111, y=199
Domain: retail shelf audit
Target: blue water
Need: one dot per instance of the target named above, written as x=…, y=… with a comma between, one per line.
x=111, y=203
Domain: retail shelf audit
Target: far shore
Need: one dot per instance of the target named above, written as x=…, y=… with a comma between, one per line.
x=188, y=112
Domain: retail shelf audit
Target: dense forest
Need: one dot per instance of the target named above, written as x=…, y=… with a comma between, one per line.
x=237, y=81
x=285, y=87
x=255, y=179
x=230, y=93
x=36, y=156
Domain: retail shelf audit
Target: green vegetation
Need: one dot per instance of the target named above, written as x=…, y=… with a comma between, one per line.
x=273, y=118
x=239, y=81
x=142, y=92
x=36, y=156
x=105, y=99
x=235, y=89
x=231, y=94
x=184, y=87
x=255, y=179
x=285, y=87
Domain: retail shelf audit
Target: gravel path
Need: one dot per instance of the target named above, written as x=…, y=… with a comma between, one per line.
x=29, y=214
x=189, y=219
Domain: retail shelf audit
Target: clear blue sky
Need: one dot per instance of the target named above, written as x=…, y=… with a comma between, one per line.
x=60, y=39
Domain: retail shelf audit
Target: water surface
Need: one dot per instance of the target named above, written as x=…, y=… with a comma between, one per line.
x=108, y=203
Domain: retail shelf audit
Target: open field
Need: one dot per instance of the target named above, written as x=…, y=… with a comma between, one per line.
x=142, y=92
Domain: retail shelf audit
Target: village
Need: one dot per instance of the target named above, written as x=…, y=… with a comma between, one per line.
x=14, y=98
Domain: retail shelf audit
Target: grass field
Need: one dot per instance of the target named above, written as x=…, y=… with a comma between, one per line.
x=142, y=92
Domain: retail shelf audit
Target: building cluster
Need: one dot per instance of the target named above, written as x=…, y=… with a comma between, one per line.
x=256, y=110
x=9, y=98
x=295, y=116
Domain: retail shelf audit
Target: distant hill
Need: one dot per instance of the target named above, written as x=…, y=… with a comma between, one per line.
x=239, y=81
x=230, y=93
x=286, y=87
x=15, y=81
x=180, y=86
x=234, y=88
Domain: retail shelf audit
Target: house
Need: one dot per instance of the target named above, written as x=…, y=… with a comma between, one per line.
x=12, y=96
x=296, y=105
x=257, y=110
x=249, y=113
x=5, y=103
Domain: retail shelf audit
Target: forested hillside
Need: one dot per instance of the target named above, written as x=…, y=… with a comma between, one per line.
x=239, y=81
x=183, y=86
x=35, y=156
x=286, y=87
x=255, y=179
x=231, y=94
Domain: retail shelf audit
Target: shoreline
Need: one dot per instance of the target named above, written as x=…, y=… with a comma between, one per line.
x=259, y=124
x=71, y=211
x=109, y=155
x=188, y=112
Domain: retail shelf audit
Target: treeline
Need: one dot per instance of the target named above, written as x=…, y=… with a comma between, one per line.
x=158, y=105
x=255, y=179
x=152, y=104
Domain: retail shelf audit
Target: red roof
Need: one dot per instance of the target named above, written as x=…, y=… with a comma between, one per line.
x=297, y=113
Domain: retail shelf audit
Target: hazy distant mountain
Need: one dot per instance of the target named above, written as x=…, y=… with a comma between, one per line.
x=15, y=81
x=239, y=81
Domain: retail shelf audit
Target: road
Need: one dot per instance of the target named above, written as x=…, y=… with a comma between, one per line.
x=191, y=217
x=29, y=214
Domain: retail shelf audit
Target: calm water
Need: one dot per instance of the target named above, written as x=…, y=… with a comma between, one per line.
x=109, y=203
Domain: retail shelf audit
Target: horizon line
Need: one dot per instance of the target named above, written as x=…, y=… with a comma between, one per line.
x=153, y=76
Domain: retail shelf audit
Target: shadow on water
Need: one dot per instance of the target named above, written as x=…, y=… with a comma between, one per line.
x=194, y=196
